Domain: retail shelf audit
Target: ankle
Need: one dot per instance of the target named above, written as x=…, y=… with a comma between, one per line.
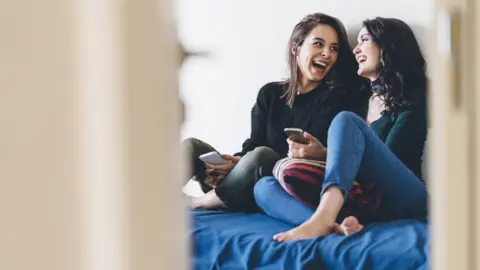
x=330, y=205
x=323, y=218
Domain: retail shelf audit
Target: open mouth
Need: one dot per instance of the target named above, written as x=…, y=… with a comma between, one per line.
x=361, y=59
x=319, y=65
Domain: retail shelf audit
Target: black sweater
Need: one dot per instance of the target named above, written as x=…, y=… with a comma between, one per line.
x=313, y=112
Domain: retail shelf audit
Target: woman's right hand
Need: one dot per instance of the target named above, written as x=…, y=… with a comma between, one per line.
x=313, y=150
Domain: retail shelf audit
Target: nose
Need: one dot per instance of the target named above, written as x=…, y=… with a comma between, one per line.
x=356, y=50
x=326, y=53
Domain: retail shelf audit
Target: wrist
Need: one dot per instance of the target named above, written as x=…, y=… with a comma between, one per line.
x=322, y=154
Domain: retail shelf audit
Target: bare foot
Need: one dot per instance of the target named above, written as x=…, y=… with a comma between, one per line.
x=349, y=225
x=307, y=230
x=209, y=200
x=322, y=222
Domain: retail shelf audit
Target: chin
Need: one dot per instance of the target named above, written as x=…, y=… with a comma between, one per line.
x=318, y=77
x=362, y=73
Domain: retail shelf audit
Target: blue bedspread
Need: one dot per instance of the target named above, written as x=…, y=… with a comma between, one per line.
x=224, y=240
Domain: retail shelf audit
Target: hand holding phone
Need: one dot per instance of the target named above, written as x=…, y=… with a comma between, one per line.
x=213, y=158
x=296, y=135
x=306, y=147
x=218, y=166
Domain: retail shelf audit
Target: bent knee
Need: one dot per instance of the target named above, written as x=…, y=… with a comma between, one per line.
x=191, y=142
x=264, y=153
x=346, y=117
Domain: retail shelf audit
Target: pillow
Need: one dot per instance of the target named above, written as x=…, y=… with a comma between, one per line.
x=303, y=179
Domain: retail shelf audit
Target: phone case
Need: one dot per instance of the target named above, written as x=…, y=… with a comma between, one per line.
x=296, y=135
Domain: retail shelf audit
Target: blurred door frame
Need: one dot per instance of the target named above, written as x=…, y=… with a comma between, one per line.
x=453, y=150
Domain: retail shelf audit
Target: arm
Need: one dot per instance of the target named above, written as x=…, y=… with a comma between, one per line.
x=259, y=114
x=408, y=132
x=407, y=136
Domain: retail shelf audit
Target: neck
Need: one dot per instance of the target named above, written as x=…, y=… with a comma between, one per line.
x=376, y=88
x=306, y=85
x=373, y=77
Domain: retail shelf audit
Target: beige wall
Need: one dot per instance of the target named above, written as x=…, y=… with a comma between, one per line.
x=89, y=115
x=40, y=220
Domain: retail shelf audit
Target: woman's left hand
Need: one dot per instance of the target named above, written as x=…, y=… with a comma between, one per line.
x=313, y=150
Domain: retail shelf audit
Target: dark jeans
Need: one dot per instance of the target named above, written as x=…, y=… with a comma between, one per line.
x=236, y=190
x=354, y=152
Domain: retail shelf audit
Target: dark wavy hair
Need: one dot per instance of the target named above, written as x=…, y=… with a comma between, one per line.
x=343, y=75
x=402, y=77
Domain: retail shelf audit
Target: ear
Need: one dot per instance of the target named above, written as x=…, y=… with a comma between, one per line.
x=294, y=49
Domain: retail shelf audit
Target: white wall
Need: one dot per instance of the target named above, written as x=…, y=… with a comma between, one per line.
x=247, y=41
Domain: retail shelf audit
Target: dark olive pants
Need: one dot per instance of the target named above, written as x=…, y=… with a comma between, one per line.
x=236, y=189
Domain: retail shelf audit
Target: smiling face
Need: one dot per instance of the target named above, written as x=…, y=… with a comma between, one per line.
x=367, y=53
x=317, y=55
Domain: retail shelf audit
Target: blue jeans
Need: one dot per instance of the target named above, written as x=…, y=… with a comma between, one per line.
x=354, y=153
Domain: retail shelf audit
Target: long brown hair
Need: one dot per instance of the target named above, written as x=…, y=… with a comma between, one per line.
x=343, y=73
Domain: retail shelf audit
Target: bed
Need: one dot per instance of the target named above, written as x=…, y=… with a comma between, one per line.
x=222, y=240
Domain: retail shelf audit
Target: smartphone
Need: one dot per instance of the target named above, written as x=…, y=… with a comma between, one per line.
x=296, y=135
x=213, y=158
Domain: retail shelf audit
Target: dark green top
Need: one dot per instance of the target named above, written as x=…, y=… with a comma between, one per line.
x=405, y=133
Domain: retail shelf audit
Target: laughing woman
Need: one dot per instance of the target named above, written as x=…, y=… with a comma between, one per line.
x=388, y=153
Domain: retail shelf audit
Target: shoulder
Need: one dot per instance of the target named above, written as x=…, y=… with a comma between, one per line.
x=416, y=110
x=411, y=119
x=272, y=90
x=416, y=102
x=414, y=117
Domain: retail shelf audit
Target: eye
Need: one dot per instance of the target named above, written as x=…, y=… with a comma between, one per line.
x=365, y=38
x=318, y=43
x=335, y=48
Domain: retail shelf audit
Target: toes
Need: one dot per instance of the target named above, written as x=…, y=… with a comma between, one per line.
x=350, y=224
x=344, y=230
x=338, y=229
x=281, y=237
x=284, y=238
x=350, y=221
x=350, y=228
x=278, y=237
